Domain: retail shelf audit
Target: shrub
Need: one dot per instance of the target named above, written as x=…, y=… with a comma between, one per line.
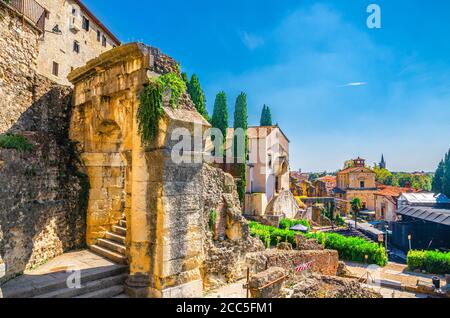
x=286, y=224
x=349, y=248
x=18, y=142
x=433, y=262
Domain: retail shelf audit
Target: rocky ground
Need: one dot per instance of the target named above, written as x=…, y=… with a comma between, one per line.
x=321, y=286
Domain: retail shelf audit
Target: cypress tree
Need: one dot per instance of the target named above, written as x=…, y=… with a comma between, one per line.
x=220, y=115
x=438, y=178
x=263, y=116
x=241, y=121
x=198, y=96
x=185, y=78
x=446, y=176
x=266, y=116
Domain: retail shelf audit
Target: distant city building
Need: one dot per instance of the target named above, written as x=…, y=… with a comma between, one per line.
x=73, y=36
x=325, y=186
x=357, y=181
x=386, y=200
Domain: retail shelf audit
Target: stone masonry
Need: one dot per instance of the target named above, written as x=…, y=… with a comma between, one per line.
x=19, y=47
x=166, y=204
x=41, y=191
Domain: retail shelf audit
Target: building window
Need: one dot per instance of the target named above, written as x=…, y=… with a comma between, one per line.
x=362, y=184
x=99, y=36
x=104, y=41
x=76, y=47
x=55, y=69
x=85, y=24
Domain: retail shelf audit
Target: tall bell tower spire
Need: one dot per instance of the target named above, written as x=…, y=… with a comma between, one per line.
x=383, y=162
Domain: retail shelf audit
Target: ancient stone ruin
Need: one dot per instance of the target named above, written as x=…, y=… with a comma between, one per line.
x=166, y=205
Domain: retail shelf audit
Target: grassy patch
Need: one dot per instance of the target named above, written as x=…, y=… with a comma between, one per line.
x=17, y=142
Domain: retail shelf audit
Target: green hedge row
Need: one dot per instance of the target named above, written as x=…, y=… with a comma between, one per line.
x=349, y=248
x=433, y=262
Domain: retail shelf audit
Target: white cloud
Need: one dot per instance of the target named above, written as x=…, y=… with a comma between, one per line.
x=353, y=84
x=251, y=41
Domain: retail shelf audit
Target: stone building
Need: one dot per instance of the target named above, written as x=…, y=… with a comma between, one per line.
x=73, y=35
x=325, y=186
x=386, y=202
x=357, y=181
x=268, y=183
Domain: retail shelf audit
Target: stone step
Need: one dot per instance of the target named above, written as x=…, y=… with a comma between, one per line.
x=58, y=280
x=110, y=292
x=113, y=256
x=119, y=230
x=90, y=287
x=116, y=238
x=112, y=245
x=123, y=223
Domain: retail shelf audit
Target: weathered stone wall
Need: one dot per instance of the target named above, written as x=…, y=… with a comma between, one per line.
x=224, y=253
x=18, y=53
x=42, y=196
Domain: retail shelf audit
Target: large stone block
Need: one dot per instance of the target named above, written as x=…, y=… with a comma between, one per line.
x=192, y=289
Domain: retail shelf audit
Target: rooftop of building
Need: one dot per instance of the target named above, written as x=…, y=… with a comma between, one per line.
x=355, y=170
x=328, y=179
x=429, y=214
x=426, y=198
x=254, y=131
x=393, y=191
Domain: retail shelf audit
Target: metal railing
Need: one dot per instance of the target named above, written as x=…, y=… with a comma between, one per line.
x=31, y=10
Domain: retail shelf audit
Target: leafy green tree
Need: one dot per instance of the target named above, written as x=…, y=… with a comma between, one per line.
x=383, y=176
x=266, y=116
x=198, y=96
x=241, y=121
x=356, y=206
x=220, y=115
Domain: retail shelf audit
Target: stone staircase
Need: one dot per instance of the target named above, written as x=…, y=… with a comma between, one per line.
x=98, y=278
x=113, y=246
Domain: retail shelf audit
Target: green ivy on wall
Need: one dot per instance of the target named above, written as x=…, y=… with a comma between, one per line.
x=151, y=103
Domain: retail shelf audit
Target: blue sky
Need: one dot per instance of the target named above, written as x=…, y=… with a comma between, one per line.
x=298, y=56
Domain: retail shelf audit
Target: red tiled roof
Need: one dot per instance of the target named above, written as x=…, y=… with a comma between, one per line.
x=392, y=191
x=328, y=179
x=355, y=169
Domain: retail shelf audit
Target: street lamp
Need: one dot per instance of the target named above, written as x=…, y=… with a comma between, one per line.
x=387, y=233
x=409, y=239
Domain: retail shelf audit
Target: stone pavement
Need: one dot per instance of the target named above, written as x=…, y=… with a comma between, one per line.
x=235, y=290
x=394, y=272
x=53, y=275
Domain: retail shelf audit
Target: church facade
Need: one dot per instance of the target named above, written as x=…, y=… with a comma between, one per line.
x=357, y=181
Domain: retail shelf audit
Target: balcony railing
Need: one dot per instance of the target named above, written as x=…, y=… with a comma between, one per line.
x=31, y=10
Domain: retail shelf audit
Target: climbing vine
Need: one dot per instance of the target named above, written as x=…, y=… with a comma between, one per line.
x=213, y=221
x=151, y=103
